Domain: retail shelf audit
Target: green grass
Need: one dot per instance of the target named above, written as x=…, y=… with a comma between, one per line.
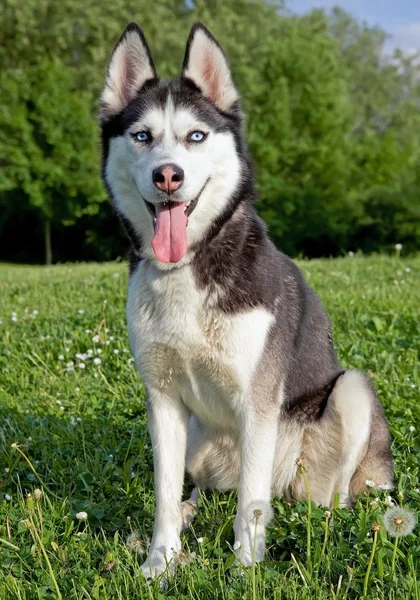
x=82, y=439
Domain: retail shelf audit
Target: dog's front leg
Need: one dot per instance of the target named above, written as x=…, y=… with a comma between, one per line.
x=168, y=424
x=258, y=444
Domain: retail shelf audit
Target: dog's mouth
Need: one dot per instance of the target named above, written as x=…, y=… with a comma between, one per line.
x=188, y=207
x=170, y=219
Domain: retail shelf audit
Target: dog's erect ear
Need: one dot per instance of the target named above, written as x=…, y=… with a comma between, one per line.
x=206, y=65
x=131, y=65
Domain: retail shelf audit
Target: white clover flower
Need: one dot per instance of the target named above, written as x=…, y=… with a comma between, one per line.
x=111, y=338
x=89, y=352
x=237, y=545
x=385, y=487
x=370, y=483
x=81, y=365
x=70, y=364
x=77, y=389
x=58, y=402
x=96, y=339
x=82, y=516
x=14, y=319
x=81, y=356
x=81, y=311
x=126, y=350
x=399, y=521
x=412, y=428
x=99, y=351
x=200, y=540
x=97, y=361
x=7, y=497
x=389, y=501
x=115, y=275
x=62, y=408
x=376, y=501
x=116, y=351
x=35, y=312
x=60, y=357
x=106, y=330
x=88, y=331
x=107, y=342
x=14, y=314
x=398, y=247
x=130, y=360
x=350, y=253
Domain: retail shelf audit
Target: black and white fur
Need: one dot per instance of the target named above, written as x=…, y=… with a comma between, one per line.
x=234, y=348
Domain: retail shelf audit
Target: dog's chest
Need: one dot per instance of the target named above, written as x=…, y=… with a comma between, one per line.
x=184, y=346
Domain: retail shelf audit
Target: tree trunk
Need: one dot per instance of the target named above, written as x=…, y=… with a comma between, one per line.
x=48, y=248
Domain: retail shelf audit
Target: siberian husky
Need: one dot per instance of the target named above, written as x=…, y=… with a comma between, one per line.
x=234, y=348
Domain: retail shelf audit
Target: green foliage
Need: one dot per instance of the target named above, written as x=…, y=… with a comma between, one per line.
x=82, y=440
x=333, y=124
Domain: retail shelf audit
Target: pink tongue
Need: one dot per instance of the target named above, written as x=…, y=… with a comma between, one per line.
x=170, y=240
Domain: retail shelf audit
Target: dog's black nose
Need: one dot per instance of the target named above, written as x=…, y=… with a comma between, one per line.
x=168, y=178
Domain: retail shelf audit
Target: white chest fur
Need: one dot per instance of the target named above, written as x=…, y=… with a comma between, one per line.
x=186, y=347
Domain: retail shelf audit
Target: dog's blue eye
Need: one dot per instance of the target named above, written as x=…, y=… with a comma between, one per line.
x=143, y=136
x=196, y=136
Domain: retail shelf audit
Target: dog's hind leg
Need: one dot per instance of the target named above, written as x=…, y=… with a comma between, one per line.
x=189, y=509
x=348, y=445
x=212, y=458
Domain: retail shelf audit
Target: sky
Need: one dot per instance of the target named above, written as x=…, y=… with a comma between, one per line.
x=399, y=18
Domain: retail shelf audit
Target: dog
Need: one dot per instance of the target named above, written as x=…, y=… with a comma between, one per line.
x=235, y=350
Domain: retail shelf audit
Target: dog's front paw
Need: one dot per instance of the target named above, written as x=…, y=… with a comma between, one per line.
x=157, y=563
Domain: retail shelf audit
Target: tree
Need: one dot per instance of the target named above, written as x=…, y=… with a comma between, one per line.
x=48, y=146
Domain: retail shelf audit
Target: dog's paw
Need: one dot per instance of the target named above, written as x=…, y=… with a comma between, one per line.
x=156, y=564
x=247, y=555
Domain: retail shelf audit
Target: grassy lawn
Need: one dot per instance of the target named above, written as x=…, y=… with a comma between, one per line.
x=73, y=426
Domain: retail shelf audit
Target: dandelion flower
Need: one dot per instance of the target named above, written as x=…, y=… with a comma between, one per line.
x=181, y=559
x=398, y=247
x=399, y=521
x=135, y=544
x=82, y=516
x=37, y=494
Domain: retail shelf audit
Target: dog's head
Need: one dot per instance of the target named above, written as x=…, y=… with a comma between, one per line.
x=174, y=157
